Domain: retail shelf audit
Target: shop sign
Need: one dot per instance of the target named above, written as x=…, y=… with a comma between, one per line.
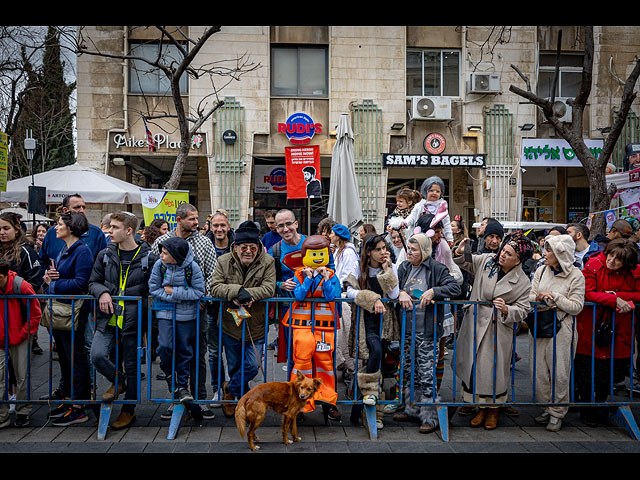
x=229, y=137
x=4, y=161
x=303, y=172
x=122, y=141
x=437, y=161
x=434, y=143
x=270, y=179
x=299, y=128
x=554, y=152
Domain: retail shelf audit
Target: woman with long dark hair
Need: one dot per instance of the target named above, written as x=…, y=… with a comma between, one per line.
x=375, y=279
x=69, y=275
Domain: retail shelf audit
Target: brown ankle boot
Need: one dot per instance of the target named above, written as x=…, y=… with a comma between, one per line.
x=123, y=421
x=478, y=420
x=491, y=422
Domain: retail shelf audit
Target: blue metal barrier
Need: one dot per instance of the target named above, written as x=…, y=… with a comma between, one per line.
x=407, y=360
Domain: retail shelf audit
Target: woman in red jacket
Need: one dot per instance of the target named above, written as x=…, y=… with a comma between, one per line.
x=612, y=281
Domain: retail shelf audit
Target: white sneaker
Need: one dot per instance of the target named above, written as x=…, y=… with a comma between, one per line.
x=215, y=401
x=370, y=400
x=379, y=424
x=555, y=424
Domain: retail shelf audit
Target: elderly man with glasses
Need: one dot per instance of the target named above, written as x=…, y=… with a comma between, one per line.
x=243, y=278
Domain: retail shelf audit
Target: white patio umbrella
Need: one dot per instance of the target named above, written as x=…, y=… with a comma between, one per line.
x=93, y=186
x=344, y=205
x=26, y=216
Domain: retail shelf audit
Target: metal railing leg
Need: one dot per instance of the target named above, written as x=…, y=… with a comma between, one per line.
x=176, y=421
x=443, y=420
x=103, y=421
x=624, y=418
x=369, y=421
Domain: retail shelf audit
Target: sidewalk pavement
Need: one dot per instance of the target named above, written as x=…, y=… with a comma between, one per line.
x=149, y=433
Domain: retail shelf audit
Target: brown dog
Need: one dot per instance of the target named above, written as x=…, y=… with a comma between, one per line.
x=285, y=398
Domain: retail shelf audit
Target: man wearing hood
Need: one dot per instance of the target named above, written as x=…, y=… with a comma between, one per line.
x=176, y=278
x=558, y=287
x=423, y=279
x=242, y=278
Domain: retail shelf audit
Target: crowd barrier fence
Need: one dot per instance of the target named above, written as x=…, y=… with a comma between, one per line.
x=405, y=393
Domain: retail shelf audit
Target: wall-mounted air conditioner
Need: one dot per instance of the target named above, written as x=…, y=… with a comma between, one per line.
x=484, y=83
x=430, y=108
x=562, y=109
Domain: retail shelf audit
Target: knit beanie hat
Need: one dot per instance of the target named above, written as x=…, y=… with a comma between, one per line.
x=494, y=228
x=247, y=232
x=178, y=248
x=427, y=184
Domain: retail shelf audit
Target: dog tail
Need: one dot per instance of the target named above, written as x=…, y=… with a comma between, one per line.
x=241, y=417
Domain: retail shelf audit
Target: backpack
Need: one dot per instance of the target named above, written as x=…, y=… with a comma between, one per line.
x=188, y=273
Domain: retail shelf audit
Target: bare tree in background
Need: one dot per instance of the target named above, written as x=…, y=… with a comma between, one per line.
x=183, y=61
x=573, y=134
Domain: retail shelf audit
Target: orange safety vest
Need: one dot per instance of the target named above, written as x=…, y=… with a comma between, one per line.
x=300, y=313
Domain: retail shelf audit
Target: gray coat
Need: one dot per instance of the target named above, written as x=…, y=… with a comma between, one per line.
x=513, y=288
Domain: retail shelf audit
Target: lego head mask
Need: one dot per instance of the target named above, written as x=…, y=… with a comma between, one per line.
x=315, y=251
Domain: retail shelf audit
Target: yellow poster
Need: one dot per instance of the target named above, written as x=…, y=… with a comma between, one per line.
x=162, y=204
x=4, y=161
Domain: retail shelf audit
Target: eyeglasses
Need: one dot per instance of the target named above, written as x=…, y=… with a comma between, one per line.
x=221, y=212
x=282, y=226
x=248, y=248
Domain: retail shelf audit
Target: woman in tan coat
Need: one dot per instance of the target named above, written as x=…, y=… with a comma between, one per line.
x=501, y=289
x=559, y=285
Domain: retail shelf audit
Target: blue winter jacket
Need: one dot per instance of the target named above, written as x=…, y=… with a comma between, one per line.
x=74, y=264
x=185, y=294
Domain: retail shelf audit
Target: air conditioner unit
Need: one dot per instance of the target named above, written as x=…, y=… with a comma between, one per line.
x=562, y=109
x=430, y=108
x=484, y=83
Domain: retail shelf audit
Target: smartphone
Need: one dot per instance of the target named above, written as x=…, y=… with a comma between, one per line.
x=118, y=309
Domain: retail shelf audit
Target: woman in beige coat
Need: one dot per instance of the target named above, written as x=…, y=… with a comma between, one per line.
x=557, y=284
x=501, y=289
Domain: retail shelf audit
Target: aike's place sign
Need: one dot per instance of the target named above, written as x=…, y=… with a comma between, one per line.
x=554, y=152
x=120, y=141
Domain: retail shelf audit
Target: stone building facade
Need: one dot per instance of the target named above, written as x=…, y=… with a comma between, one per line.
x=408, y=90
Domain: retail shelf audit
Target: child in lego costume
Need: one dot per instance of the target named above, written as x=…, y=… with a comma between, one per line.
x=313, y=324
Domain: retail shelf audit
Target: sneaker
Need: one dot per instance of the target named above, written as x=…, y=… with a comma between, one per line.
x=215, y=401
x=12, y=406
x=35, y=348
x=73, y=415
x=391, y=408
x=22, y=420
x=168, y=414
x=379, y=424
x=555, y=424
x=207, y=414
x=57, y=394
x=183, y=395
x=370, y=400
x=60, y=410
x=543, y=418
x=6, y=423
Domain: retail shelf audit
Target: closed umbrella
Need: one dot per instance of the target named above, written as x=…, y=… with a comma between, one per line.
x=344, y=205
x=93, y=186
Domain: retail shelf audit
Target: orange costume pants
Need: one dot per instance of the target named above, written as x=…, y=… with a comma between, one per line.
x=313, y=357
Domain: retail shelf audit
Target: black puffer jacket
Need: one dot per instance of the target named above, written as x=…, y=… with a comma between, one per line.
x=105, y=277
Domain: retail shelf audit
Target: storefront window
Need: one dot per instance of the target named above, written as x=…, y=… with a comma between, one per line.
x=299, y=71
x=433, y=72
x=537, y=206
x=143, y=78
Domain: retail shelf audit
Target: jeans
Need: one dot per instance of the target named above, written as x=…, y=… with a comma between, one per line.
x=242, y=369
x=213, y=348
x=374, y=344
x=185, y=337
x=103, y=344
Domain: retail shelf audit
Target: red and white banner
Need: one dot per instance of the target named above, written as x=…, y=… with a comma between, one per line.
x=303, y=172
